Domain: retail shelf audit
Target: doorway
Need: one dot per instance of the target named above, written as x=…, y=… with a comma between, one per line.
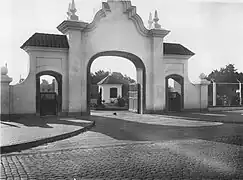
x=48, y=93
x=174, y=93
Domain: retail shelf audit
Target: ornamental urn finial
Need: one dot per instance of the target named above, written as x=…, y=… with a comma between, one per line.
x=4, y=70
x=202, y=76
x=150, y=21
x=156, y=20
x=71, y=11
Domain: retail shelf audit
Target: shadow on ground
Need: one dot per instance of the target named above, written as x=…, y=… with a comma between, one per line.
x=232, y=117
x=43, y=122
x=127, y=130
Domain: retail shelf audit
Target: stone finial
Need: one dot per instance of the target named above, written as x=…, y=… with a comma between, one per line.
x=71, y=11
x=4, y=79
x=4, y=70
x=202, y=76
x=156, y=20
x=203, y=79
x=150, y=21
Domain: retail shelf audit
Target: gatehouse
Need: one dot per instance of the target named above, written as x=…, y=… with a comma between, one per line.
x=116, y=30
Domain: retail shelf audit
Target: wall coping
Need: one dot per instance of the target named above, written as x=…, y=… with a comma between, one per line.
x=5, y=79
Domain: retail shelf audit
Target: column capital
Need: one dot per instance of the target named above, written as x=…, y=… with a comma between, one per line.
x=68, y=25
x=158, y=32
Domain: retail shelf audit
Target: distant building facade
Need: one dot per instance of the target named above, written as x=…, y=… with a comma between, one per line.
x=110, y=88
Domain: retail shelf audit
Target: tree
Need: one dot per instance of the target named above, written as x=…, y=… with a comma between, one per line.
x=101, y=74
x=98, y=76
x=226, y=75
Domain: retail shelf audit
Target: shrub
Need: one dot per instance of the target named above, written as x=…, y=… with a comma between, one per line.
x=121, y=102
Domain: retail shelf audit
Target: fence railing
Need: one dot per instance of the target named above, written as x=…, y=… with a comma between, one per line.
x=225, y=94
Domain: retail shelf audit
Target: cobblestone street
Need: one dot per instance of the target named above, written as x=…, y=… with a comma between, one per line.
x=188, y=159
x=120, y=149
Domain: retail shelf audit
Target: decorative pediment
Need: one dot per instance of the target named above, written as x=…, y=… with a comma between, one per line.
x=106, y=8
x=132, y=14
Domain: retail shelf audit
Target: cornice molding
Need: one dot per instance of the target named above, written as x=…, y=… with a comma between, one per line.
x=44, y=49
x=98, y=16
x=67, y=25
x=177, y=56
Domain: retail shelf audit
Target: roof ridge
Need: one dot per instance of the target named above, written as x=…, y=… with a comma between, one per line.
x=48, y=34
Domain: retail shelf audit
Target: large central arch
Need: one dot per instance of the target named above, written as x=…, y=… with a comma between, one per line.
x=140, y=68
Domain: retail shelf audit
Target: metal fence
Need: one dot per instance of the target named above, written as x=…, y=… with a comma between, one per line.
x=225, y=94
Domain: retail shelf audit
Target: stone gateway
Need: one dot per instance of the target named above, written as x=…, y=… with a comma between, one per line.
x=116, y=30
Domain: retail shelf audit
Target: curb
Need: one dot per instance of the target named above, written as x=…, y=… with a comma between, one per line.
x=27, y=145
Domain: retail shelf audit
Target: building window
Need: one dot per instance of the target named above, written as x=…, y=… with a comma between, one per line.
x=113, y=92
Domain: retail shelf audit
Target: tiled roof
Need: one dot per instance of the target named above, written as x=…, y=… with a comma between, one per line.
x=110, y=80
x=47, y=40
x=60, y=41
x=176, y=49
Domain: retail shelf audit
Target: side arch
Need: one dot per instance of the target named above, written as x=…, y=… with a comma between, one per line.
x=179, y=79
x=58, y=77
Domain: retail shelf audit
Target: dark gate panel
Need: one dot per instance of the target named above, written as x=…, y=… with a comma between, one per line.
x=134, y=97
x=174, y=101
x=48, y=103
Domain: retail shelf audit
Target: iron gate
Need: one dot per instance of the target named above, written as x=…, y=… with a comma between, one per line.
x=48, y=103
x=174, y=101
x=134, y=95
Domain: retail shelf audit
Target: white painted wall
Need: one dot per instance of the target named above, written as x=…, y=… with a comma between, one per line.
x=106, y=91
x=117, y=32
x=195, y=95
x=5, y=95
x=113, y=32
x=23, y=95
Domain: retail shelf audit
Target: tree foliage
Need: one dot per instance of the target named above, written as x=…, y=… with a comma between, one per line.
x=224, y=79
x=101, y=74
x=228, y=74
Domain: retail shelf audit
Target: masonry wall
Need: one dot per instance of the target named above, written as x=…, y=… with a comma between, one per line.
x=23, y=95
x=116, y=32
x=195, y=95
x=106, y=91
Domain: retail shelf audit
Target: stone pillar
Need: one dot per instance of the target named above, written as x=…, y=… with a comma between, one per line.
x=155, y=79
x=77, y=97
x=140, y=81
x=5, y=97
x=158, y=75
x=214, y=94
x=203, y=92
x=156, y=71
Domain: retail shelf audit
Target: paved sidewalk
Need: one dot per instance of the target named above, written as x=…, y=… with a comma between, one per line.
x=164, y=120
x=235, y=117
x=26, y=133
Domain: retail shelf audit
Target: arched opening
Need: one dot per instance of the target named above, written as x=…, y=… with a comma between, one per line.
x=48, y=93
x=114, y=91
x=174, y=93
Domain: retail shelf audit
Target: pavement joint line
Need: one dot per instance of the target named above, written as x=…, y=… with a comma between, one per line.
x=27, y=145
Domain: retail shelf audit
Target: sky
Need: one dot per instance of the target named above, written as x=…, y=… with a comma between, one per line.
x=212, y=29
